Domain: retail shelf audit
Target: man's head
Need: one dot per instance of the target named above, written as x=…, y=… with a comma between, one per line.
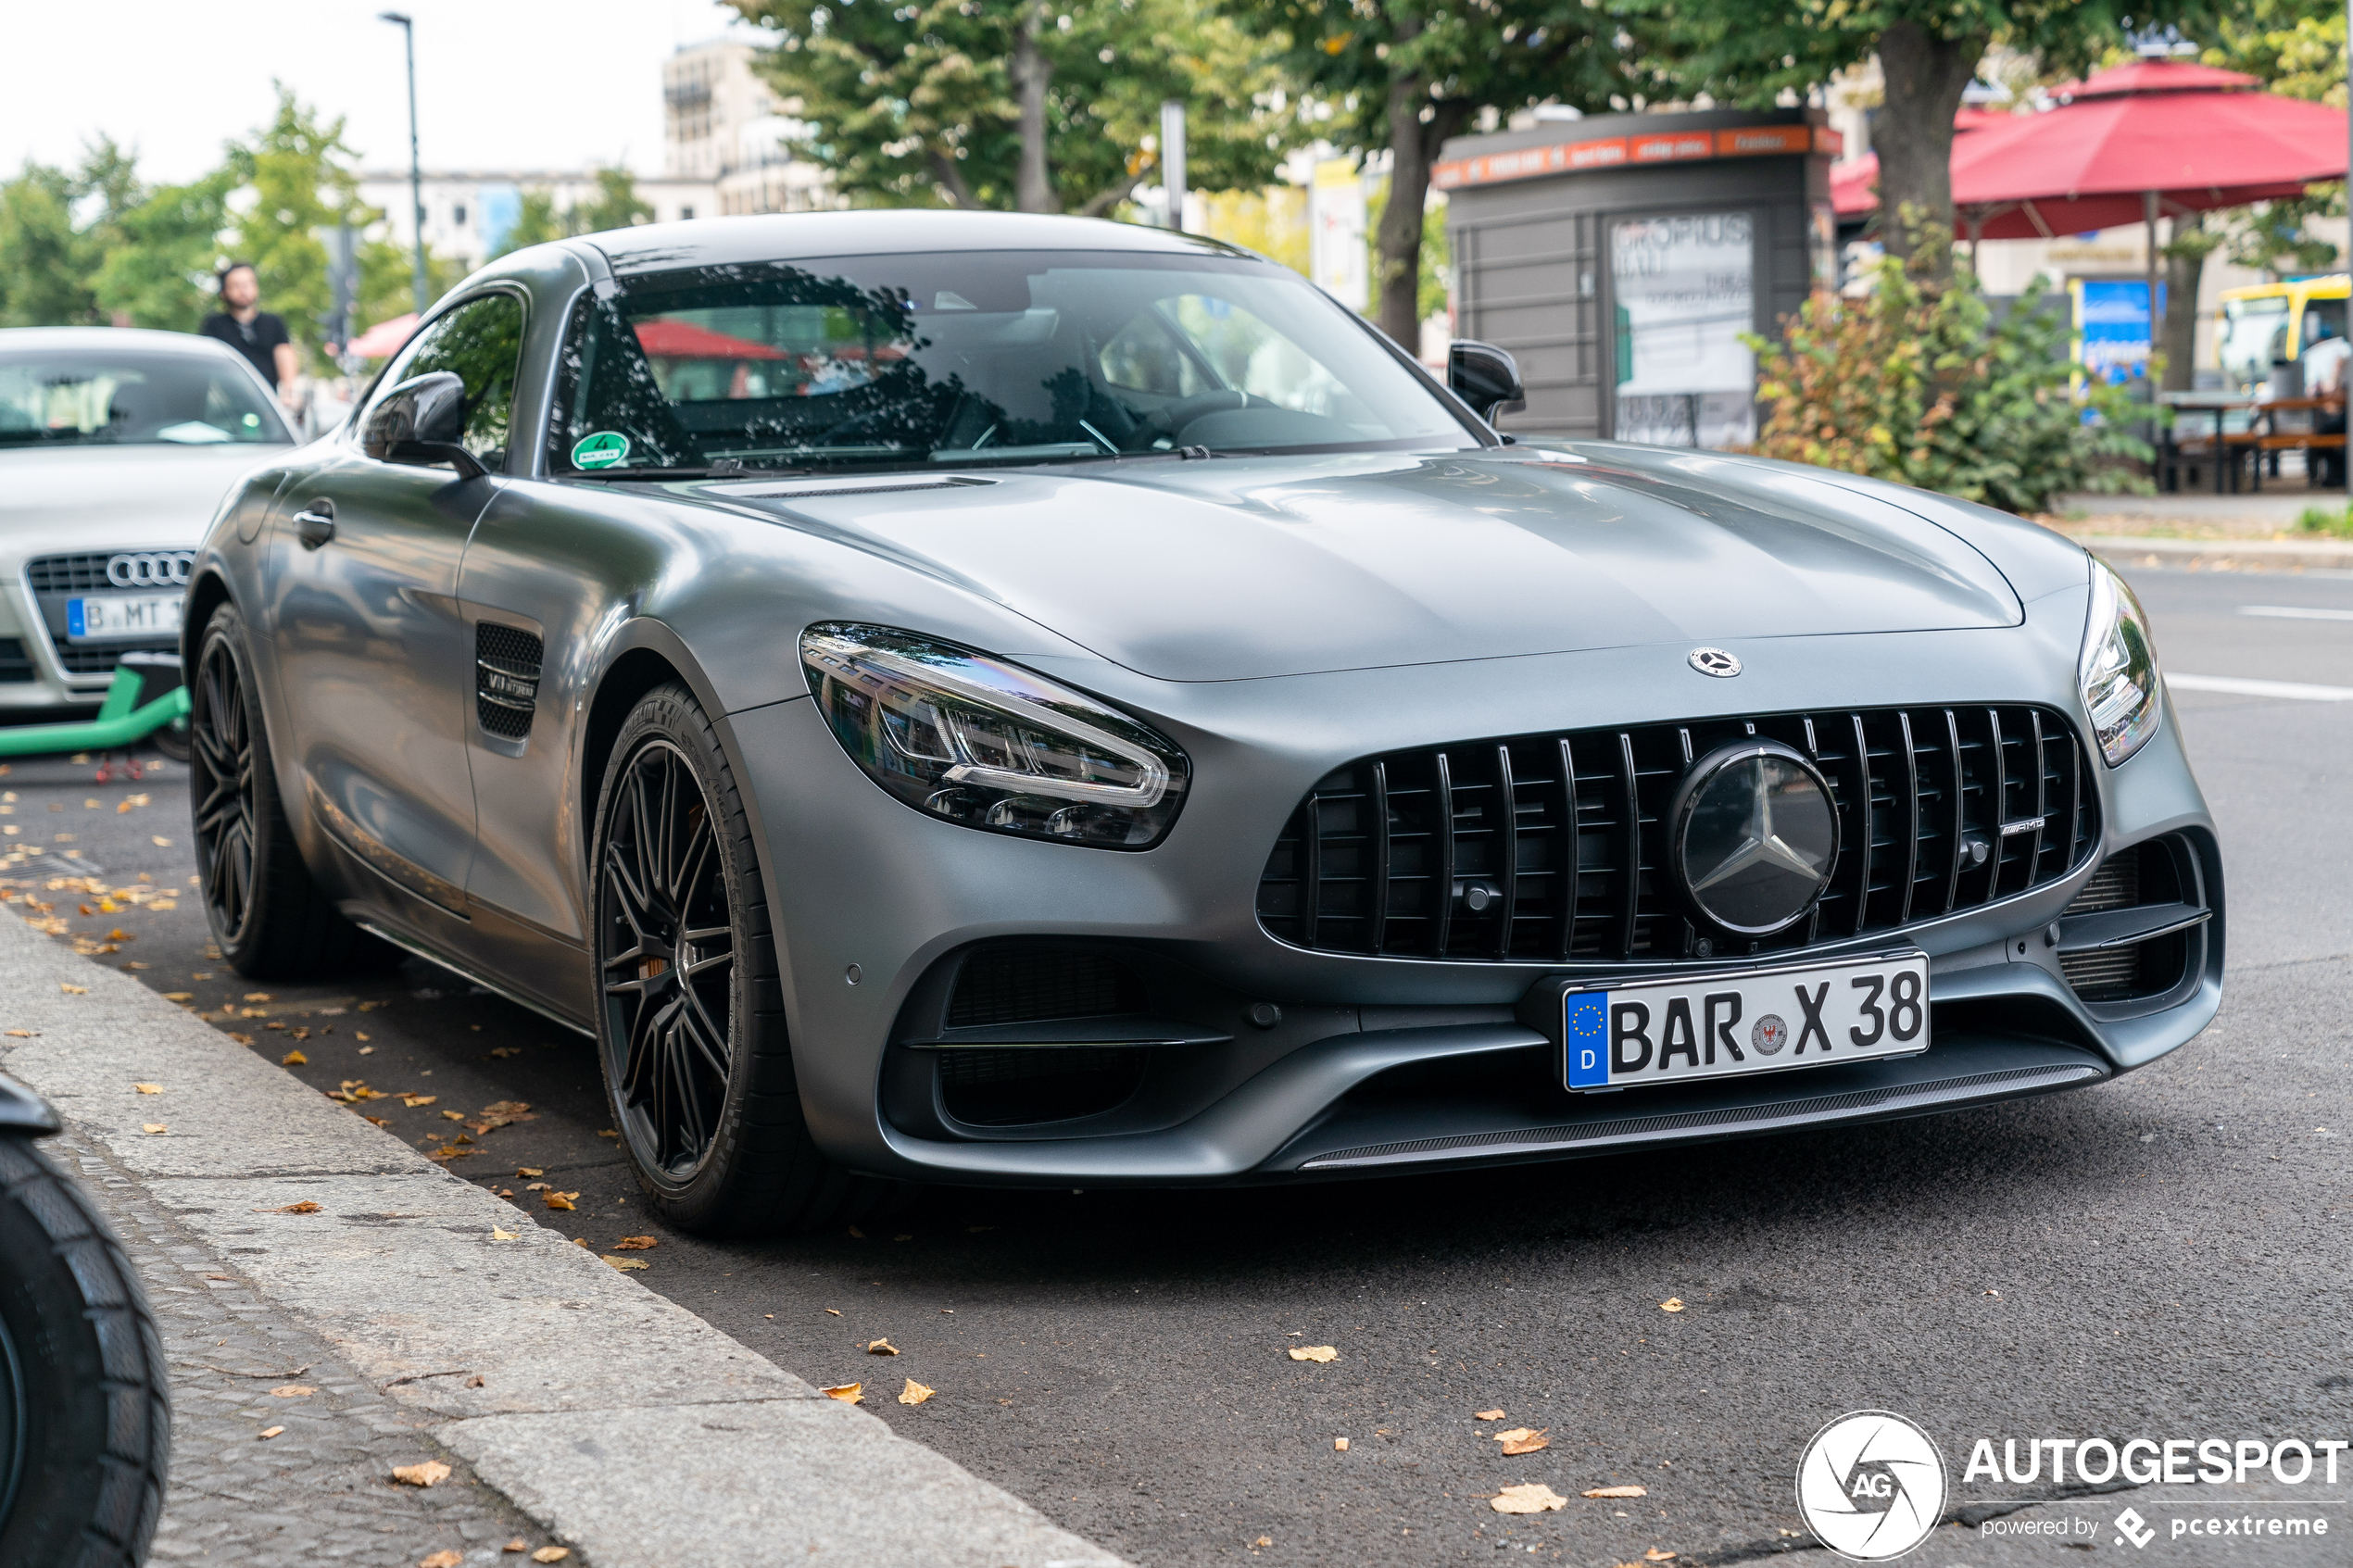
x=239, y=286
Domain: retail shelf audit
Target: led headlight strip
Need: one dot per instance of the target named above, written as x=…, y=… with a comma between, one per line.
x=2123, y=691
x=969, y=737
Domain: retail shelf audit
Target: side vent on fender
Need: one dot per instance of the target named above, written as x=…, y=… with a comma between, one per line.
x=506, y=678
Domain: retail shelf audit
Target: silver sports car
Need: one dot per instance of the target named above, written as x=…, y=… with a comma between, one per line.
x=1004, y=699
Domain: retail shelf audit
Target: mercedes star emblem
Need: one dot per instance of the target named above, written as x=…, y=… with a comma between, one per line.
x=1716, y=662
x=1755, y=834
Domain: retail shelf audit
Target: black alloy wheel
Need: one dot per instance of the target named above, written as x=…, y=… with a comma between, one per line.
x=690, y=1024
x=667, y=963
x=221, y=765
x=268, y=918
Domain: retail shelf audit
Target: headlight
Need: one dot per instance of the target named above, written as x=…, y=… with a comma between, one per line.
x=981, y=743
x=2118, y=668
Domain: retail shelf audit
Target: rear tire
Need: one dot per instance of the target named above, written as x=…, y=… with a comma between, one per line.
x=690, y=1024
x=86, y=1405
x=267, y=916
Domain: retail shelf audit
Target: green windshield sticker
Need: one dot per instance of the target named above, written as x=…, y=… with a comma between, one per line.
x=605, y=450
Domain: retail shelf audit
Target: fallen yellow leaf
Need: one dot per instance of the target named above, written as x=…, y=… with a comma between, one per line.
x=846, y=1392
x=561, y=1199
x=624, y=1264
x=529, y=1171
x=294, y=1059
x=1619, y=1492
x=1534, y=1498
x=428, y=1473
x=551, y=1554
x=179, y=995
x=155, y=1127
x=497, y=1234
x=1523, y=1440
x=881, y=1348
x=444, y=1558
x=148, y=1089
x=1672, y=1304
x=292, y=1390
x=1340, y=1445
x=119, y=934
x=1488, y=1415
x=305, y=1206
x=453, y=1116
x=914, y=1393
x=269, y=1431
x=637, y=1243
x=73, y=990
x=1658, y=1554
x=22, y=1035
x=258, y=996
x=833, y=1312
x=518, y=1544
x=1314, y=1353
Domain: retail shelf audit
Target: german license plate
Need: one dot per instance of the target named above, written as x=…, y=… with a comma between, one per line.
x=100, y=617
x=1747, y=1020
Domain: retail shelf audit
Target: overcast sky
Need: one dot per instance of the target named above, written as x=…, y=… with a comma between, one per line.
x=500, y=83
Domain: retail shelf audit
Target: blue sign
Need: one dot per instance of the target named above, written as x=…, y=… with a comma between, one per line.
x=2113, y=316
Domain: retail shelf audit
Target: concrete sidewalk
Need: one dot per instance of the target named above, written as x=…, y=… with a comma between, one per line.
x=617, y=1423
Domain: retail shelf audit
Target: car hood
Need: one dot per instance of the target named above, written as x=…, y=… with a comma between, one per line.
x=107, y=497
x=1244, y=568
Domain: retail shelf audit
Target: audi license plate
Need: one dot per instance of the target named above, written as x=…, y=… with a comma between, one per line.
x=1748, y=1021
x=98, y=618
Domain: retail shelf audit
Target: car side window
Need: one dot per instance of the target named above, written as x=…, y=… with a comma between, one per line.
x=481, y=342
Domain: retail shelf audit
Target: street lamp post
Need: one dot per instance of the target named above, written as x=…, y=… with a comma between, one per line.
x=416, y=170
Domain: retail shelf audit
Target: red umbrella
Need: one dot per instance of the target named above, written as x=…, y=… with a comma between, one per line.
x=386, y=338
x=2155, y=136
x=664, y=339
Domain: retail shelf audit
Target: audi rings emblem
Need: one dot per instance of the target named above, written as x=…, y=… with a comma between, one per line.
x=157, y=569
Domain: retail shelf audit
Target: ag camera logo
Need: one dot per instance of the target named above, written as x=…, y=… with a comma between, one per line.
x=1871, y=1484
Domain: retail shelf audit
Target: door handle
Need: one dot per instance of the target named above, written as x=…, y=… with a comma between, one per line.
x=315, y=524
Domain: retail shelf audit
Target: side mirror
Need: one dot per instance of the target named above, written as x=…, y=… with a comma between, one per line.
x=1483, y=376
x=423, y=420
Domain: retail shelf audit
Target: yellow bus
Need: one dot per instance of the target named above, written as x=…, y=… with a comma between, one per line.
x=2269, y=321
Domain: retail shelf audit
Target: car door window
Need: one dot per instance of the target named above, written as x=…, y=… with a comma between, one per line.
x=481, y=342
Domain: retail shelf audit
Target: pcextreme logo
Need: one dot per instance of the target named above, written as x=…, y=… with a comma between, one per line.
x=1871, y=1484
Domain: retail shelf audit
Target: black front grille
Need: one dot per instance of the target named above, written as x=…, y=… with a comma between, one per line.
x=507, y=663
x=16, y=661
x=1029, y=1083
x=1939, y=809
x=55, y=578
x=1027, y=984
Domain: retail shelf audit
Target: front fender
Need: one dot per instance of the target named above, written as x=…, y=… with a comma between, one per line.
x=22, y=1111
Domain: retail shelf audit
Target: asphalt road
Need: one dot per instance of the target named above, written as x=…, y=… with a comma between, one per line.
x=2165, y=1256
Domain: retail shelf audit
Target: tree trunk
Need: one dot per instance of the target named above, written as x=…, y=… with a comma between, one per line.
x=1397, y=249
x=1033, y=185
x=2184, y=270
x=1925, y=77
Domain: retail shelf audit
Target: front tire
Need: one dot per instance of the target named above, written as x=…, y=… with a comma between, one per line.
x=690, y=1026
x=270, y=919
x=86, y=1403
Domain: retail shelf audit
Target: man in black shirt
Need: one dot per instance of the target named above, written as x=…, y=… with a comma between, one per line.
x=254, y=333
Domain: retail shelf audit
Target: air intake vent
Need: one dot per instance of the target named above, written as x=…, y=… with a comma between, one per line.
x=1027, y=984
x=1550, y=847
x=2154, y=877
x=506, y=680
x=1006, y=1088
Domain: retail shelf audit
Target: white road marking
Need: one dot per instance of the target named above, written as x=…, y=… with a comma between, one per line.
x=2237, y=686
x=2295, y=612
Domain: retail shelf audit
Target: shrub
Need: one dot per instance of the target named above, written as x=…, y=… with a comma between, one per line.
x=1917, y=383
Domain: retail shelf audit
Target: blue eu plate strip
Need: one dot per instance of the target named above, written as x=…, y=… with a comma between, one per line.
x=1586, y=1026
x=74, y=624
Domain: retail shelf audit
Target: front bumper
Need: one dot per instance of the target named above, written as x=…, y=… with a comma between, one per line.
x=1381, y=1063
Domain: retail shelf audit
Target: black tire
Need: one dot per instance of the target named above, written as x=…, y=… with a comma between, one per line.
x=268, y=918
x=172, y=741
x=705, y=1100
x=85, y=1407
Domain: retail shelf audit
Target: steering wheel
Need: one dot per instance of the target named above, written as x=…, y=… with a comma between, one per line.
x=1185, y=410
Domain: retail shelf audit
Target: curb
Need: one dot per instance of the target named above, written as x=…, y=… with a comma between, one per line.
x=627, y=1426
x=2222, y=554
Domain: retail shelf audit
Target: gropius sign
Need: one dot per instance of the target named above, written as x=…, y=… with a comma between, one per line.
x=1623, y=259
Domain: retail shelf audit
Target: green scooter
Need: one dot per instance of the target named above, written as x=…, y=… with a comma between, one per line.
x=146, y=699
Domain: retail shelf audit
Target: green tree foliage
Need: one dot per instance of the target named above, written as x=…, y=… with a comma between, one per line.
x=1917, y=383
x=616, y=203
x=1024, y=105
x=45, y=263
x=1405, y=75
x=2297, y=48
x=1755, y=52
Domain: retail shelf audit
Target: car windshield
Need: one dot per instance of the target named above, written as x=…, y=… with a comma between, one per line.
x=2253, y=334
x=62, y=398
x=877, y=362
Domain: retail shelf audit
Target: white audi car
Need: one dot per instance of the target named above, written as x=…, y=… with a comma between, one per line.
x=116, y=446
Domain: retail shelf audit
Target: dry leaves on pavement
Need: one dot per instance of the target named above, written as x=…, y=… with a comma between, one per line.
x=305, y=1206
x=497, y=1234
x=1314, y=1353
x=503, y=1052
x=561, y=1199
x=412, y=1100
x=444, y=1558
x=1618, y=1492
x=504, y=1113
x=73, y=990
x=148, y=1089
x=846, y=1392
x=1523, y=1439
x=269, y=1431
x=551, y=1554
x=291, y=1391
x=1534, y=1498
x=294, y=1059
x=529, y=1171
x=1672, y=1304
x=153, y=1128
x=637, y=1243
x=914, y=1393
x=1340, y=1445
x=426, y=1474
x=626, y=1265
x=1487, y=1415
x=1658, y=1554
x=881, y=1348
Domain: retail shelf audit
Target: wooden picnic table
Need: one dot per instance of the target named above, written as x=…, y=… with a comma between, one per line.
x=2229, y=454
